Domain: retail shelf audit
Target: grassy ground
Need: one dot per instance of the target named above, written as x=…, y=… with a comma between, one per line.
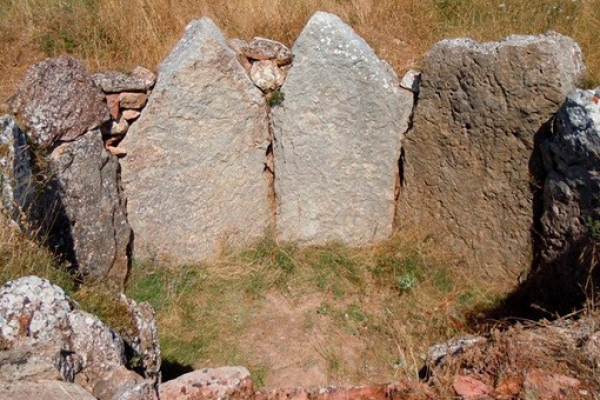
x=316, y=315
x=119, y=34
x=294, y=316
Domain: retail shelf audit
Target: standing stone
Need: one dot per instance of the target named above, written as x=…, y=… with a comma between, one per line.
x=571, y=219
x=83, y=211
x=472, y=159
x=195, y=175
x=58, y=100
x=337, y=138
x=16, y=178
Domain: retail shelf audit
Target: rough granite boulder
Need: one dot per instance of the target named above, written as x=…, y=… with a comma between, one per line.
x=48, y=337
x=194, y=174
x=472, y=159
x=16, y=178
x=83, y=213
x=58, y=101
x=210, y=384
x=571, y=204
x=34, y=311
x=337, y=138
x=42, y=360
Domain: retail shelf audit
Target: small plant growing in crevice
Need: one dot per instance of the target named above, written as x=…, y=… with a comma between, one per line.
x=275, y=98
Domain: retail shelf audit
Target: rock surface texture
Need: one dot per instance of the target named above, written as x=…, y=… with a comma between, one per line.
x=196, y=156
x=571, y=204
x=43, y=389
x=210, y=384
x=472, y=158
x=16, y=180
x=337, y=138
x=48, y=337
x=84, y=210
x=58, y=100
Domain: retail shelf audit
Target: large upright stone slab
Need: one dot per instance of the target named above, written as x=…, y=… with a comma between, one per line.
x=194, y=175
x=83, y=212
x=570, y=223
x=472, y=162
x=337, y=138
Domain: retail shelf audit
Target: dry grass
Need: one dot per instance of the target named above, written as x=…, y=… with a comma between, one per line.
x=119, y=34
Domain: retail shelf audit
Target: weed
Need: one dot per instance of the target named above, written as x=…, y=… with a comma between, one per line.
x=276, y=97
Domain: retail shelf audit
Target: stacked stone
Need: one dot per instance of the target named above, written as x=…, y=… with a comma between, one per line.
x=266, y=61
x=126, y=96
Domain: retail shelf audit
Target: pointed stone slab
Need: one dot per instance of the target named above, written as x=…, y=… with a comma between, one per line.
x=337, y=138
x=194, y=174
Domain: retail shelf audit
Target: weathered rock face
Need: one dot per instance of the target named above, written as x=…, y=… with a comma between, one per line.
x=34, y=311
x=197, y=154
x=471, y=160
x=43, y=389
x=49, y=338
x=571, y=203
x=267, y=49
x=117, y=82
x=145, y=342
x=84, y=210
x=16, y=180
x=35, y=362
x=59, y=101
x=337, y=138
x=209, y=384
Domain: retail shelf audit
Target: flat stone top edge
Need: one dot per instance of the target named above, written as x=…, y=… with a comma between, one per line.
x=511, y=40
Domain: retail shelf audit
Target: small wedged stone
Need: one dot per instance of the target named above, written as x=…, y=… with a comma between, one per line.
x=132, y=100
x=130, y=115
x=144, y=74
x=58, y=100
x=267, y=49
x=117, y=82
x=119, y=127
x=112, y=100
x=266, y=75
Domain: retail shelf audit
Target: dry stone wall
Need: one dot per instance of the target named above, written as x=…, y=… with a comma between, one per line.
x=239, y=138
x=471, y=160
x=79, y=209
